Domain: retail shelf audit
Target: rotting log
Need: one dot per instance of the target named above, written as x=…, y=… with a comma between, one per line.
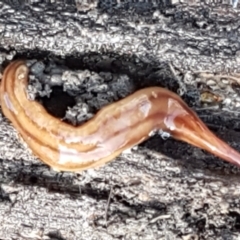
x=164, y=189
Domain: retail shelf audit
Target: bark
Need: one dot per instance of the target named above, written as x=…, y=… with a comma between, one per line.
x=164, y=189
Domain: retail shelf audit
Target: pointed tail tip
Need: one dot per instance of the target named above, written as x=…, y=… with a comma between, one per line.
x=224, y=151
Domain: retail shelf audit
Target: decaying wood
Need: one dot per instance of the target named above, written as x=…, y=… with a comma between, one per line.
x=164, y=189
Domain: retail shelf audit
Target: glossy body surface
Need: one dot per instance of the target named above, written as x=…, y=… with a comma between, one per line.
x=115, y=128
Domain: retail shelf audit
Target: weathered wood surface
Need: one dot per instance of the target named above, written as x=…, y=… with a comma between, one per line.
x=183, y=194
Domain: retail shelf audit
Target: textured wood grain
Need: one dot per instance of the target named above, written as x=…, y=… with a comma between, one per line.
x=152, y=196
